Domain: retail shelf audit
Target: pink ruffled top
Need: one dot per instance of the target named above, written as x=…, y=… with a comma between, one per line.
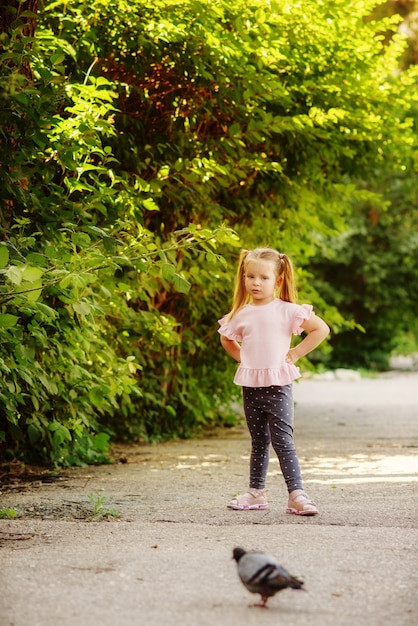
x=264, y=332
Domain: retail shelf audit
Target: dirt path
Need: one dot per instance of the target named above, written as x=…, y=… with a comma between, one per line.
x=167, y=558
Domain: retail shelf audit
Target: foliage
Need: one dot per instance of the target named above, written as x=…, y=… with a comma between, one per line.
x=371, y=273
x=269, y=118
x=74, y=249
x=151, y=142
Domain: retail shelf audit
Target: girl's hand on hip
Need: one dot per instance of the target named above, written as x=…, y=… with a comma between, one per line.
x=291, y=357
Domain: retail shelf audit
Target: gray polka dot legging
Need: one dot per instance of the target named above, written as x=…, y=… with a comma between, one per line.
x=269, y=415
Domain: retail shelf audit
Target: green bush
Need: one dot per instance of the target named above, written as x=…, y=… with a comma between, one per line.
x=144, y=147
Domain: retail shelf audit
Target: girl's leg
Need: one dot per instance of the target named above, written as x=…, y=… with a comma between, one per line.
x=254, y=408
x=280, y=419
x=281, y=429
x=255, y=497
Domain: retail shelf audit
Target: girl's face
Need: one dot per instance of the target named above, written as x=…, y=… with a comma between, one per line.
x=261, y=281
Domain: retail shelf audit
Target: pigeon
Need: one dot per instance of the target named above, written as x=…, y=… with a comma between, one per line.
x=262, y=573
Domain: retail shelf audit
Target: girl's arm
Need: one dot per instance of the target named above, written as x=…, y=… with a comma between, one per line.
x=317, y=330
x=232, y=347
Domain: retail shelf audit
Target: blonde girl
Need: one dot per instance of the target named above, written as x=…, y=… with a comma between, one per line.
x=257, y=334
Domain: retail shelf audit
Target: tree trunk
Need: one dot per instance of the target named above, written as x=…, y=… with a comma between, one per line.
x=10, y=13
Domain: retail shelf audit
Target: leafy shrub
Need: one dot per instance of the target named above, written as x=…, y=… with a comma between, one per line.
x=144, y=146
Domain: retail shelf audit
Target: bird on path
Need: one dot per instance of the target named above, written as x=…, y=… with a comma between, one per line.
x=262, y=573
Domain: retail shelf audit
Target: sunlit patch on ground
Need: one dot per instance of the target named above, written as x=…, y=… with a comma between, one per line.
x=362, y=468
x=191, y=461
x=357, y=468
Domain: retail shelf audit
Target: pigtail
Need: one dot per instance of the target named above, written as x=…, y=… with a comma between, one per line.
x=288, y=286
x=240, y=294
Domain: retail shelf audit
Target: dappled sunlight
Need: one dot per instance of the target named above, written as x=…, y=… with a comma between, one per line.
x=192, y=461
x=327, y=470
x=363, y=468
x=357, y=468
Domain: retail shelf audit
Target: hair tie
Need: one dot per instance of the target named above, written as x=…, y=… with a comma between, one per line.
x=281, y=255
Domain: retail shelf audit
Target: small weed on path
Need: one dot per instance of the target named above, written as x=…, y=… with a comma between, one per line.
x=100, y=511
x=6, y=513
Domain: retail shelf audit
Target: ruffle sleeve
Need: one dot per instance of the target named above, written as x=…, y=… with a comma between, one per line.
x=228, y=330
x=303, y=312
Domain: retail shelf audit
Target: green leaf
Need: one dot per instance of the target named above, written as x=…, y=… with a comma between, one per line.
x=47, y=310
x=109, y=243
x=82, y=240
x=35, y=257
x=33, y=290
x=125, y=287
x=49, y=384
x=101, y=441
x=98, y=395
x=96, y=229
x=34, y=433
x=52, y=252
x=57, y=59
x=31, y=274
x=82, y=308
x=14, y=274
x=168, y=271
x=180, y=284
x=7, y=320
x=4, y=256
x=61, y=433
x=28, y=13
x=150, y=205
x=66, y=281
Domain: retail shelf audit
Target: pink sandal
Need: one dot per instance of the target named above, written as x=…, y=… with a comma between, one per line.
x=299, y=504
x=251, y=501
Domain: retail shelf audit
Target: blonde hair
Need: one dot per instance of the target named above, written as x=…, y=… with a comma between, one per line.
x=283, y=269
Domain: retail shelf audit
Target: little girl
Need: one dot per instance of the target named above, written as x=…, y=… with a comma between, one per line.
x=257, y=334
